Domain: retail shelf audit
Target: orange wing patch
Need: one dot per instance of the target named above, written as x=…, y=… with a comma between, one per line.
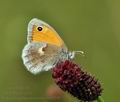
x=46, y=35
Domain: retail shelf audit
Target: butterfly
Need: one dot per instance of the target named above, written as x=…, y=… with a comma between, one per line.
x=44, y=48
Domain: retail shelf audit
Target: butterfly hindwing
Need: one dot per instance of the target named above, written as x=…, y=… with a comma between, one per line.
x=38, y=56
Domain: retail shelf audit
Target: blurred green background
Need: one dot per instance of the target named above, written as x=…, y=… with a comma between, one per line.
x=89, y=25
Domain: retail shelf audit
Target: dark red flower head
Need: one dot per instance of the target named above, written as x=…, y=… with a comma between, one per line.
x=69, y=77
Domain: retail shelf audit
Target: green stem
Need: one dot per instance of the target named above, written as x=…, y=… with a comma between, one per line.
x=100, y=99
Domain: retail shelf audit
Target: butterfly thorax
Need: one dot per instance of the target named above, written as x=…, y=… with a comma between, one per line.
x=65, y=54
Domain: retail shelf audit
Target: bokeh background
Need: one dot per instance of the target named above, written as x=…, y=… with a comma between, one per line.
x=89, y=25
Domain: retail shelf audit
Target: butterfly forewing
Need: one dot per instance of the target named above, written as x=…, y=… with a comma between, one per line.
x=44, y=49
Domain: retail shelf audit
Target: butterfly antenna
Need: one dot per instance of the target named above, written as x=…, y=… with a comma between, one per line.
x=79, y=52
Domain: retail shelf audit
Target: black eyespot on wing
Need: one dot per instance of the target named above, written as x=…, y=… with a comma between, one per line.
x=40, y=28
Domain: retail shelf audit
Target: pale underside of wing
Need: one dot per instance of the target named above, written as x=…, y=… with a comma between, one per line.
x=39, y=56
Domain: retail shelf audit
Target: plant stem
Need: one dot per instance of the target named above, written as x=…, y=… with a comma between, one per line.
x=100, y=99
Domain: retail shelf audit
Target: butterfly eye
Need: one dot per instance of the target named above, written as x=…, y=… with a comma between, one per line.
x=40, y=28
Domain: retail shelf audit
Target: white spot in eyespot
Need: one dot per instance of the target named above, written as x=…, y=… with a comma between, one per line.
x=40, y=50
